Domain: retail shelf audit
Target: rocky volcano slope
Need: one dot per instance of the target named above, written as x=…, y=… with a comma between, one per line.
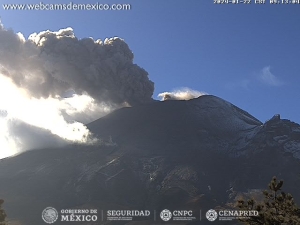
x=196, y=154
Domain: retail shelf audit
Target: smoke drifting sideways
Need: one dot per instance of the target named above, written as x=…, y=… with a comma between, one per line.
x=180, y=94
x=53, y=83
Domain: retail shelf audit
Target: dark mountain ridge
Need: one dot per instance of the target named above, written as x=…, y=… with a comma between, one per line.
x=196, y=154
x=160, y=123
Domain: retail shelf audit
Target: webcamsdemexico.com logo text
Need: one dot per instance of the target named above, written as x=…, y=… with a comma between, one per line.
x=66, y=7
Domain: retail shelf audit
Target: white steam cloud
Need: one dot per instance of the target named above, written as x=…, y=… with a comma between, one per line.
x=269, y=78
x=181, y=94
x=53, y=83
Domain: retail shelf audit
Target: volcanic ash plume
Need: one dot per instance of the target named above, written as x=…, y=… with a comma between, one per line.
x=56, y=82
x=181, y=94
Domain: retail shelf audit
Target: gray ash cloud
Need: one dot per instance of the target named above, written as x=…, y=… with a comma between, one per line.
x=53, y=83
x=49, y=63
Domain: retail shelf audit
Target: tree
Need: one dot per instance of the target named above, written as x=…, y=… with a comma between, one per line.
x=277, y=208
x=2, y=213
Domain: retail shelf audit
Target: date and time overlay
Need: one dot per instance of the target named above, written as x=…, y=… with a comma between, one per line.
x=272, y=2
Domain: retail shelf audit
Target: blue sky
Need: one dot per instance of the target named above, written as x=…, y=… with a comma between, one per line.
x=248, y=55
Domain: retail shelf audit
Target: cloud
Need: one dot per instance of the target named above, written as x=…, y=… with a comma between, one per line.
x=181, y=94
x=28, y=122
x=269, y=78
x=15, y=134
x=53, y=83
x=264, y=76
x=48, y=63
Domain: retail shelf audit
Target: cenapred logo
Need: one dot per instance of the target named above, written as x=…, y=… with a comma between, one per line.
x=49, y=215
x=211, y=215
x=165, y=215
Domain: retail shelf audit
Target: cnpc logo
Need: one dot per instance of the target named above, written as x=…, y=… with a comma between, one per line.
x=167, y=215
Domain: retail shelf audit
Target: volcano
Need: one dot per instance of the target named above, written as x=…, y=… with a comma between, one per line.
x=197, y=154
